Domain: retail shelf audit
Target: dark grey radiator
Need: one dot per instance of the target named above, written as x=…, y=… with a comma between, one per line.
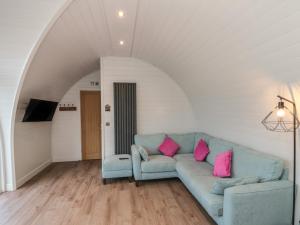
x=125, y=116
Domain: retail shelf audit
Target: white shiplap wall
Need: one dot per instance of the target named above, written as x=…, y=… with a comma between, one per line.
x=66, y=126
x=161, y=104
x=21, y=25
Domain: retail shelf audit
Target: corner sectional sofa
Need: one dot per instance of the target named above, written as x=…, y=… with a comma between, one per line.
x=266, y=203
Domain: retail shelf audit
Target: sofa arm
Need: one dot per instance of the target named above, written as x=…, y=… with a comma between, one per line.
x=267, y=203
x=136, y=163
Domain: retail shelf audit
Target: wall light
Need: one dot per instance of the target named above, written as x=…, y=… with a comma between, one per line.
x=121, y=42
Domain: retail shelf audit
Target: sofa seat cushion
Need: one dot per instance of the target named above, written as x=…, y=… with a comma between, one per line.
x=194, y=167
x=158, y=163
x=184, y=157
x=197, y=177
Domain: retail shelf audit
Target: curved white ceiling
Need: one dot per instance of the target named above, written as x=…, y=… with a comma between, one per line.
x=210, y=48
x=86, y=30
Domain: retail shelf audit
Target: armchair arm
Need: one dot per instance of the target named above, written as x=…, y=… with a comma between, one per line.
x=267, y=203
x=136, y=163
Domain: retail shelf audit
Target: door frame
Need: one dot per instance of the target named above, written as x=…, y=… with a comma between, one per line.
x=81, y=119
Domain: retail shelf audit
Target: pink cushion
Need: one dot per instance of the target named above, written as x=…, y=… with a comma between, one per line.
x=201, y=151
x=169, y=147
x=222, y=167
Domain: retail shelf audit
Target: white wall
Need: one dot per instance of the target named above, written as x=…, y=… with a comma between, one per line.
x=34, y=142
x=66, y=126
x=161, y=104
x=237, y=113
x=32, y=148
x=21, y=25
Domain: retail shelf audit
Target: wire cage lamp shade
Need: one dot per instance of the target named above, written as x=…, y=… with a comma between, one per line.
x=281, y=119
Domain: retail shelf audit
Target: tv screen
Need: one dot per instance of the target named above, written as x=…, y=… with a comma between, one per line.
x=39, y=110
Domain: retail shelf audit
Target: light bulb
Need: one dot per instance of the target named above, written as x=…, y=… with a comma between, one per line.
x=120, y=14
x=121, y=42
x=280, y=113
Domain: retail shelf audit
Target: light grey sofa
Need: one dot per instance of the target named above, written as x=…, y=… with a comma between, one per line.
x=266, y=203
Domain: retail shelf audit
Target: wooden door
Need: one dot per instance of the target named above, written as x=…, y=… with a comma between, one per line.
x=90, y=124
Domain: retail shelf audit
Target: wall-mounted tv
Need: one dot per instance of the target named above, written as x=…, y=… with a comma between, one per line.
x=39, y=111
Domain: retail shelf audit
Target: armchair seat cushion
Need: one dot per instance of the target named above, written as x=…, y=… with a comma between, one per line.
x=158, y=163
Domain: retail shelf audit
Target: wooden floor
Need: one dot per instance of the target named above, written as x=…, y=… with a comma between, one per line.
x=72, y=193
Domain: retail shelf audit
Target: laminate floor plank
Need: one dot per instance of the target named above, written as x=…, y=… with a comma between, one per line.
x=72, y=193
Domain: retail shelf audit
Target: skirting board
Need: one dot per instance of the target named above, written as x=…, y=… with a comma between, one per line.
x=32, y=173
x=69, y=159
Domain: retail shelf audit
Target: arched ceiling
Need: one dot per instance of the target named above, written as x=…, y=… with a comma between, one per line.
x=208, y=47
x=86, y=30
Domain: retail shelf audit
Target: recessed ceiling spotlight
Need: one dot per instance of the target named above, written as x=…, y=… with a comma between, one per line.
x=120, y=14
x=121, y=42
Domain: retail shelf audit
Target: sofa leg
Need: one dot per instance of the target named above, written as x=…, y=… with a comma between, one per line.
x=137, y=183
x=130, y=179
x=104, y=181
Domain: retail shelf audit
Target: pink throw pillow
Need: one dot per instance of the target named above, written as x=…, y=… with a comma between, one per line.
x=222, y=167
x=201, y=151
x=169, y=147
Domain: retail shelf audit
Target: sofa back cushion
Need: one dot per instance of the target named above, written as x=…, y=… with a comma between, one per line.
x=150, y=141
x=217, y=146
x=247, y=162
x=185, y=141
x=205, y=137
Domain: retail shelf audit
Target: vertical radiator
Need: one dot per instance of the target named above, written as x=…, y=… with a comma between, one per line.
x=125, y=116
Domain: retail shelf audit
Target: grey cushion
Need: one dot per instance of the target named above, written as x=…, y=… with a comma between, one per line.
x=158, y=163
x=144, y=153
x=220, y=185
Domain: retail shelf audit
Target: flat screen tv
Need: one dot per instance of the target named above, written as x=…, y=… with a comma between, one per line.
x=39, y=111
